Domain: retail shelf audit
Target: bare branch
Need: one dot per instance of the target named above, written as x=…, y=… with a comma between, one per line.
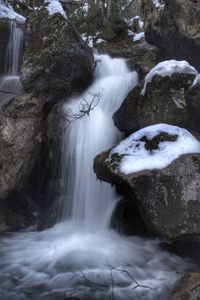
x=85, y=107
x=89, y=281
x=130, y=276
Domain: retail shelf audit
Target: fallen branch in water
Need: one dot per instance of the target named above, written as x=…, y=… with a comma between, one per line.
x=135, y=282
x=103, y=285
x=85, y=107
x=89, y=281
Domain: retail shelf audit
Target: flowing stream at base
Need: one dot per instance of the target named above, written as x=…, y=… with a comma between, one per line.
x=81, y=256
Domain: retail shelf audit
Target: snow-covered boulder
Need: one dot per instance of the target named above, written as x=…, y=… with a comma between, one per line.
x=159, y=166
x=57, y=61
x=162, y=98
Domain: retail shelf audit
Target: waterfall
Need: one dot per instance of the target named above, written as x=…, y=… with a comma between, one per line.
x=10, y=82
x=85, y=198
x=81, y=256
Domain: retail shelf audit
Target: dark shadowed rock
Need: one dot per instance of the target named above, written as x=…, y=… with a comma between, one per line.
x=4, y=39
x=193, y=106
x=168, y=199
x=126, y=117
x=188, y=288
x=57, y=61
x=174, y=28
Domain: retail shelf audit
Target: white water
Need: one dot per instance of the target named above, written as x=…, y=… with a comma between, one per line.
x=10, y=82
x=85, y=198
x=74, y=257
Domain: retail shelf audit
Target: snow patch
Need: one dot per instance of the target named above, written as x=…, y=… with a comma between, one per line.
x=138, y=36
x=7, y=12
x=129, y=21
x=158, y=5
x=54, y=7
x=136, y=158
x=140, y=22
x=168, y=68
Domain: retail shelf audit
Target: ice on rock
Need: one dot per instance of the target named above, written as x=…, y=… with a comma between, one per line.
x=168, y=68
x=7, y=12
x=135, y=157
x=55, y=7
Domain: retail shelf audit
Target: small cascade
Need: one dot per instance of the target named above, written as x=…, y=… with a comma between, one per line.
x=84, y=198
x=10, y=82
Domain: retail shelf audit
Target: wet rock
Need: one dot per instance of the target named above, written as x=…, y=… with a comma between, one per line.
x=168, y=198
x=20, y=139
x=4, y=38
x=168, y=99
x=188, y=288
x=126, y=117
x=57, y=61
x=174, y=28
x=126, y=219
x=193, y=107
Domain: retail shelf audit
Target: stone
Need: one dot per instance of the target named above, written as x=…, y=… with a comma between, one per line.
x=167, y=99
x=188, y=288
x=20, y=139
x=168, y=199
x=4, y=38
x=174, y=28
x=57, y=61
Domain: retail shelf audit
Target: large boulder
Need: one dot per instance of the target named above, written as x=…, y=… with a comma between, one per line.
x=158, y=168
x=167, y=96
x=57, y=61
x=20, y=139
x=173, y=26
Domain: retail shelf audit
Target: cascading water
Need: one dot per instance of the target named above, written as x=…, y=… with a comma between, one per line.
x=10, y=82
x=82, y=257
x=87, y=199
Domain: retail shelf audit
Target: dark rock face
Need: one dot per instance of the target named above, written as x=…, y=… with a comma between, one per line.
x=193, y=106
x=4, y=38
x=168, y=199
x=20, y=139
x=175, y=29
x=57, y=61
x=126, y=117
x=188, y=288
x=126, y=219
x=167, y=99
